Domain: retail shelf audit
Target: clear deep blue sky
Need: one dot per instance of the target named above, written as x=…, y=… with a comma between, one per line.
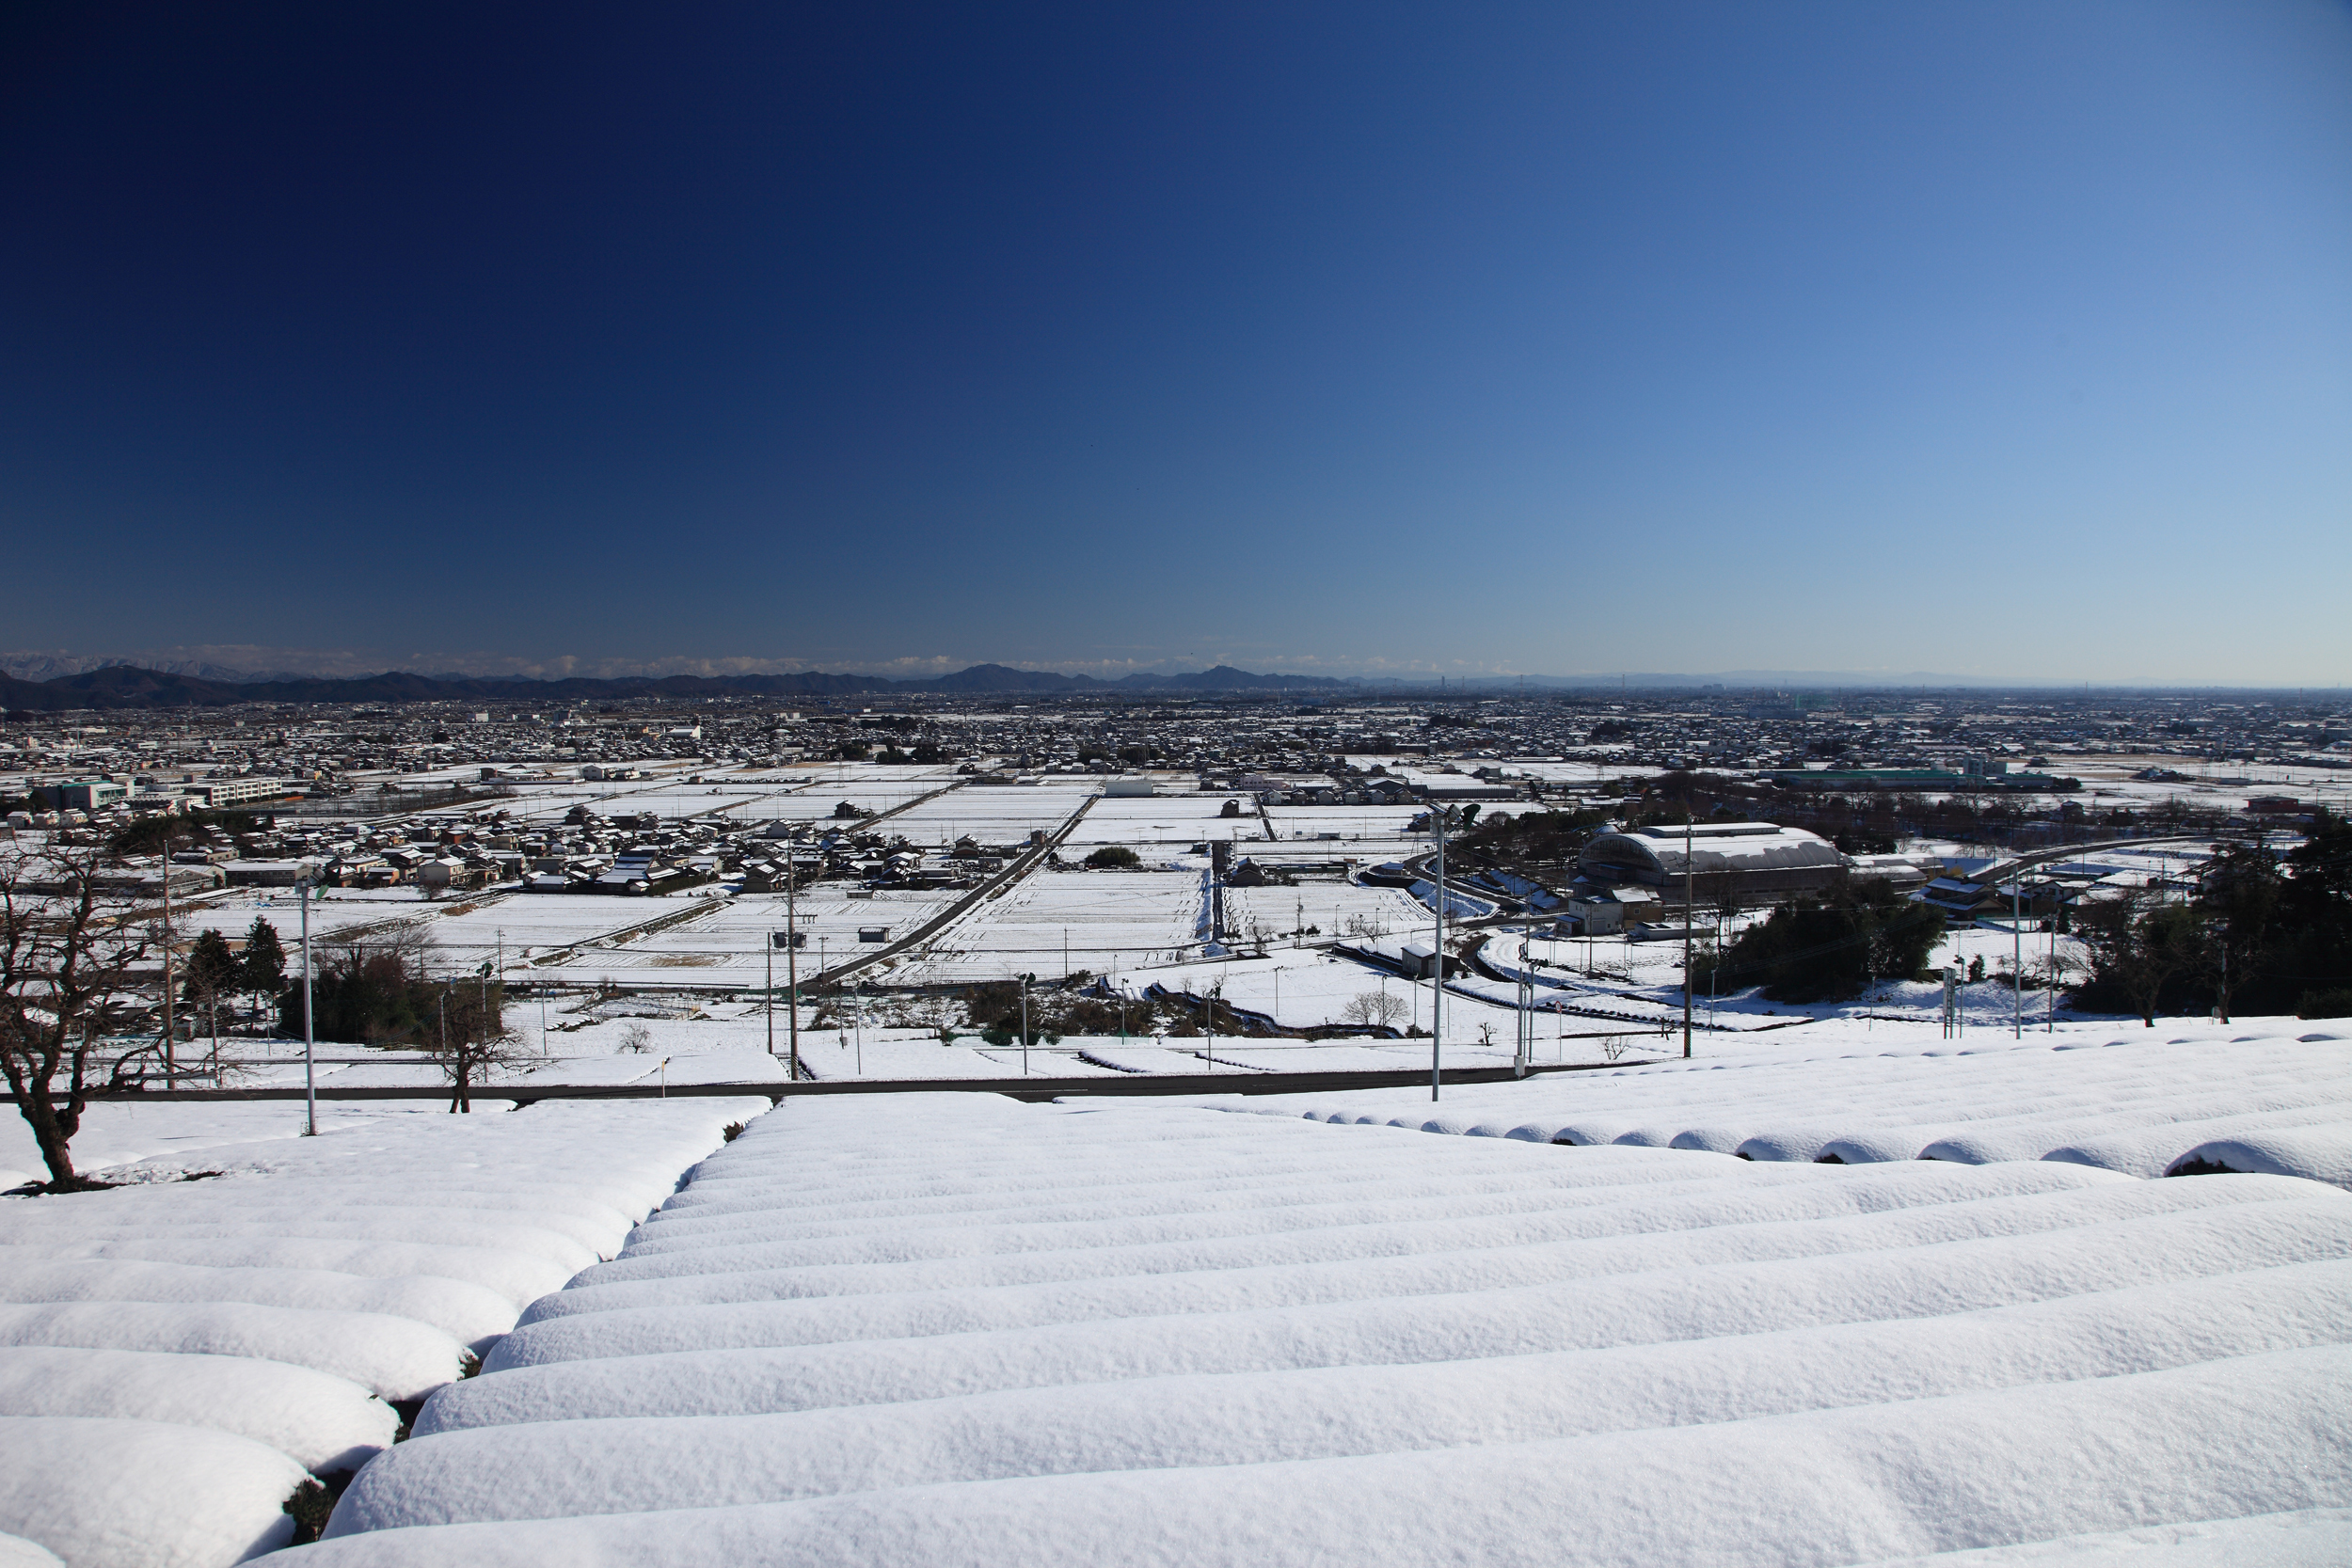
x=2004, y=340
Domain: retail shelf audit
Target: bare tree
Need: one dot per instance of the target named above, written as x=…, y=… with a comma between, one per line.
x=471, y=1040
x=1720, y=890
x=2141, y=943
x=64, y=958
x=1373, y=1009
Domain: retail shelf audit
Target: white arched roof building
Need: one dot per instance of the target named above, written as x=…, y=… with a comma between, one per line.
x=1763, y=856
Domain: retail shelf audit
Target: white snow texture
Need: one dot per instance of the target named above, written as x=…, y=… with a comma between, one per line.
x=950, y=1329
x=175, y=1357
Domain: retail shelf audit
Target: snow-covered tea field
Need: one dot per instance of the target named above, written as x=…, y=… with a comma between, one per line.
x=178, y=1354
x=953, y=1329
x=2270, y=1095
x=1846, y=1293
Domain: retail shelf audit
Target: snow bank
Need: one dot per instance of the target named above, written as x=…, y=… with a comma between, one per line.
x=952, y=1328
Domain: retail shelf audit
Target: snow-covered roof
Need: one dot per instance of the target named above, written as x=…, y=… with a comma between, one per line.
x=1653, y=855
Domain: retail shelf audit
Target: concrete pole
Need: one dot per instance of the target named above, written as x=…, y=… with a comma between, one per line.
x=309, y=1031
x=1436, y=992
x=1688, y=905
x=792, y=957
x=2017, y=944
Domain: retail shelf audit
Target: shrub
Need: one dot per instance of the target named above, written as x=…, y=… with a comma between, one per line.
x=2326, y=1004
x=1114, y=857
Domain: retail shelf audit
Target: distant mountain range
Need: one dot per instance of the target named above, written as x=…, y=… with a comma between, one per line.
x=127, y=686
x=38, y=683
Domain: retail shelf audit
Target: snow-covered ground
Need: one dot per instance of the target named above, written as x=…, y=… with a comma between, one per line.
x=176, y=1355
x=988, y=815
x=951, y=1329
x=725, y=943
x=1055, y=923
x=2127, y=1099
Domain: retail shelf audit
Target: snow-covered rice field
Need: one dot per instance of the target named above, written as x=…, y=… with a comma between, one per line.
x=726, y=944
x=1160, y=829
x=1108, y=920
x=988, y=816
x=952, y=1329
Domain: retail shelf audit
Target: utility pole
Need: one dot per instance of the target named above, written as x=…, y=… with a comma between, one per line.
x=309, y=1033
x=170, y=1043
x=792, y=956
x=2049, y=997
x=2017, y=944
x=1024, y=1023
x=1689, y=903
x=1437, y=993
x=1526, y=1044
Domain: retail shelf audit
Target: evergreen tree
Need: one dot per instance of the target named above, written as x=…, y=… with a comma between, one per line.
x=1818, y=951
x=261, y=968
x=211, y=970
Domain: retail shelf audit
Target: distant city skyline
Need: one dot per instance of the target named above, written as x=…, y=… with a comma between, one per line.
x=2008, y=341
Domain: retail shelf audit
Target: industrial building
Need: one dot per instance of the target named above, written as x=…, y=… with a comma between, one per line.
x=1750, y=862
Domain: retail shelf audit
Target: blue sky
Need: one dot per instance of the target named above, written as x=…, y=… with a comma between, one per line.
x=2008, y=341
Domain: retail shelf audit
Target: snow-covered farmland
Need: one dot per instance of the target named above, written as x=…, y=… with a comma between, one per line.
x=1101, y=920
x=1160, y=829
x=175, y=1356
x=817, y=795
x=1335, y=909
x=726, y=942
x=988, y=816
x=924, y=1329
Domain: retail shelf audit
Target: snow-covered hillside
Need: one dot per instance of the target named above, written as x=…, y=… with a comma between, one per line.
x=953, y=1329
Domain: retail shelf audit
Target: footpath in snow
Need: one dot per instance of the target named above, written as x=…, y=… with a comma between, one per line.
x=953, y=1329
x=177, y=1357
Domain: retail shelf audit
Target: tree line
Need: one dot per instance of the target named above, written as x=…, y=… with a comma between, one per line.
x=2257, y=932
